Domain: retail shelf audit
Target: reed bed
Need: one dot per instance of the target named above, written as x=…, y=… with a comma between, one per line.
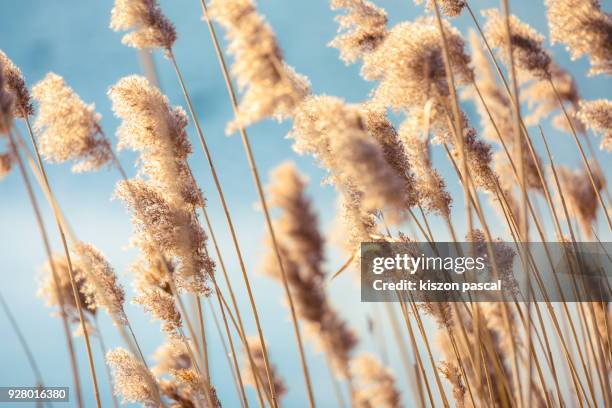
x=407, y=164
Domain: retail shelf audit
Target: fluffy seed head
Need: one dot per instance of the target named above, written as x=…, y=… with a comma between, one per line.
x=257, y=353
x=585, y=29
x=356, y=225
x=361, y=29
x=15, y=85
x=335, y=134
x=100, y=285
x=57, y=293
x=409, y=63
x=597, y=115
x=271, y=88
x=375, y=384
x=580, y=196
x=6, y=104
x=157, y=131
x=378, y=126
x=6, y=164
x=133, y=381
x=302, y=252
x=69, y=129
x=542, y=101
x=429, y=183
x=450, y=8
x=163, y=308
x=528, y=52
x=164, y=202
x=178, y=379
x=171, y=356
x=151, y=28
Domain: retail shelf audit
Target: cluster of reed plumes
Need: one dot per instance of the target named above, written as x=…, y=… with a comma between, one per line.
x=479, y=354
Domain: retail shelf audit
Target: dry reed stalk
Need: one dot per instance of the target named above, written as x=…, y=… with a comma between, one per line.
x=130, y=339
x=163, y=204
x=288, y=89
x=67, y=253
x=47, y=246
x=104, y=350
x=15, y=101
x=481, y=32
x=239, y=325
x=236, y=376
x=458, y=125
x=531, y=57
x=528, y=142
x=400, y=345
x=153, y=30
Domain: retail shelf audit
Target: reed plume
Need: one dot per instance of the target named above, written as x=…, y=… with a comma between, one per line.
x=597, y=115
x=100, y=285
x=580, y=196
x=360, y=30
x=253, y=378
x=177, y=377
x=14, y=84
x=450, y=8
x=132, y=379
x=374, y=384
x=6, y=164
x=356, y=224
x=6, y=104
x=528, y=53
x=154, y=293
x=452, y=373
x=542, y=100
x=585, y=29
x=410, y=67
x=303, y=254
x=163, y=204
x=270, y=87
x=430, y=185
x=336, y=135
x=51, y=293
x=68, y=128
x=150, y=28
x=379, y=127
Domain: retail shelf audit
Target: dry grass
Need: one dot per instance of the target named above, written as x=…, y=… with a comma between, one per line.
x=519, y=353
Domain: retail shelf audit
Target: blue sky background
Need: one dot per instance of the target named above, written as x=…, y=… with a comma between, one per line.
x=72, y=39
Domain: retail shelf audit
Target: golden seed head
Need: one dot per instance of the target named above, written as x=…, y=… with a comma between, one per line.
x=15, y=85
x=585, y=29
x=150, y=27
x=69, y=129
x=132, y=379
x=409, y=64
x=361, y=29
x=528, y=52
x=272, y=89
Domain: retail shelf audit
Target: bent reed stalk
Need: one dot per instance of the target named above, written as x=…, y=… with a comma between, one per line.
x=75, y=290
x=262, y=201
